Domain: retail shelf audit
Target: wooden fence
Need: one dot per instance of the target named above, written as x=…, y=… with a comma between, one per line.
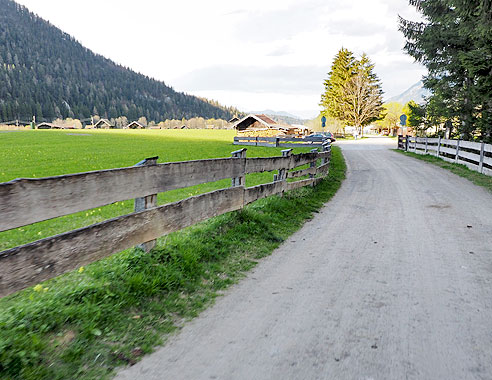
x=283, y=142
x=475, y=155
x=27, y=201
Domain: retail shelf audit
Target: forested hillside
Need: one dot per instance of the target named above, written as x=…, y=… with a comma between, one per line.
x=46, y=73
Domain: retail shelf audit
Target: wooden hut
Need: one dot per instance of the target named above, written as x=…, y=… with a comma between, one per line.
x=262, y=126
x=103, y=124
x=135, y=125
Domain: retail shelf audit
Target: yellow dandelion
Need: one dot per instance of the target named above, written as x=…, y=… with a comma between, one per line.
x=38, y=288
x=46, y=289
x=81, y=269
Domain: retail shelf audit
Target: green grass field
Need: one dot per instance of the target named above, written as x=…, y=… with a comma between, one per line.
x=35, y=154
x=86, y=323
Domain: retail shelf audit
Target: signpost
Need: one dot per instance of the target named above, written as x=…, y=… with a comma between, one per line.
x=403, y=120
x=323, y=123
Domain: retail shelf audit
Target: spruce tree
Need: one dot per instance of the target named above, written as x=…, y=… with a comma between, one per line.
x=455, y=44
x=353, y=91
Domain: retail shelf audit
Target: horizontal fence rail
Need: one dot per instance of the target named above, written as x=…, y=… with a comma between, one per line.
x=27, y=201
x=283, y=142
x=476, y=156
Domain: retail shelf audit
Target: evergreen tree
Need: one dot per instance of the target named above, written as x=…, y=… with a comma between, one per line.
x=455, y=44
x=342, y=70
x=353, y=91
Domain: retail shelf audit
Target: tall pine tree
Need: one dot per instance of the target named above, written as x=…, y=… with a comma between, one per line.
x=353, y=91
x=455, y=44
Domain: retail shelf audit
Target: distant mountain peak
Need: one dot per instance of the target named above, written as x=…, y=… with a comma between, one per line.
x=416, y=92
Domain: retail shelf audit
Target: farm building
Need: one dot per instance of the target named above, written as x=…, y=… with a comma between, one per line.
x=104, y=124
x=261, y=125
x=54, y=126
x=135, y=125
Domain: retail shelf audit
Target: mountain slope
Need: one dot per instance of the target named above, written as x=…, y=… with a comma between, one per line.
x=417, y=93
x=47, y=73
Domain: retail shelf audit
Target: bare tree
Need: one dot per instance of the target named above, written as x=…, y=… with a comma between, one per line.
x=362, y=101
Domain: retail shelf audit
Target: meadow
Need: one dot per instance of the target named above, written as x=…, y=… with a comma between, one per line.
x=42, y=153
x=87, y=323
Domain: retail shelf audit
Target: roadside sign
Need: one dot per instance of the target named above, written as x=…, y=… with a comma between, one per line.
x=323, y=121
x=403, y=120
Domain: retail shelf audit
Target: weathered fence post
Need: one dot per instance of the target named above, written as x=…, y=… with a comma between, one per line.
x=457, y=150
x=326, y=148
x=482, y=154
x=439, y=146
x=426, y=142
x=282, y=173
x=277, y=142
x=239, y=181
x=313, y=164
x=415, y=147
x=406, y=143
x=147, y=202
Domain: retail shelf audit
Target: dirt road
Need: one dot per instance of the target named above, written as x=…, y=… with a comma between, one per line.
x=391, y=280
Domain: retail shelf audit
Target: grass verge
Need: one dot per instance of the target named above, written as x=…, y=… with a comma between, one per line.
x=459, y=169
x=85, y=324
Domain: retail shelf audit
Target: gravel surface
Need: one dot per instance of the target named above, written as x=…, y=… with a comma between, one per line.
x=391, y=280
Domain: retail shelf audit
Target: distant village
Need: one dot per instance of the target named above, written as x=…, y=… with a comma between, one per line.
x=251, y=125
x=248, y=125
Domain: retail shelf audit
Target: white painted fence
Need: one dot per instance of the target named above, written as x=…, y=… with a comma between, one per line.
x=475, y=155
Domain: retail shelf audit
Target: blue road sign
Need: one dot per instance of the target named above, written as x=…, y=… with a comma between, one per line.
x=323, y=121
x=403, y=120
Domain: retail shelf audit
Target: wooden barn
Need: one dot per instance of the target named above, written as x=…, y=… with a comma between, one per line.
x=103, y=124
x=53, y=126
x=134, y=125
x=263, y=126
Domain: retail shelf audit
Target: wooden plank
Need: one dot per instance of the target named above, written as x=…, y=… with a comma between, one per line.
x=252, y=194
x=449, y=159
x=487, y=160
x=268, y=139
x=300, y=173
x=314, y=145
x=449, y=142
x=487, y=148
x=32, y=263
x=447, y=150
x=256, y=165
x=25, y=201
x=469, y=156
x=421, y=146
x=323, y=169
x=487, y=171
x=432, y=140
x=244, y=143
x=470, y=145
x=470, y=165
x=245, y=138
x=325, y=154
x=302, y=183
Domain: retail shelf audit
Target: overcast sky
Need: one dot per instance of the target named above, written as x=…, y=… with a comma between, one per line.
x=255, y=54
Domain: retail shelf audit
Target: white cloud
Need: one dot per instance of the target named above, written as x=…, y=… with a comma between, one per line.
x=254, y=55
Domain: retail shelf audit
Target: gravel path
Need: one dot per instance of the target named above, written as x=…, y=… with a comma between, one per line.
x=391, y=280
